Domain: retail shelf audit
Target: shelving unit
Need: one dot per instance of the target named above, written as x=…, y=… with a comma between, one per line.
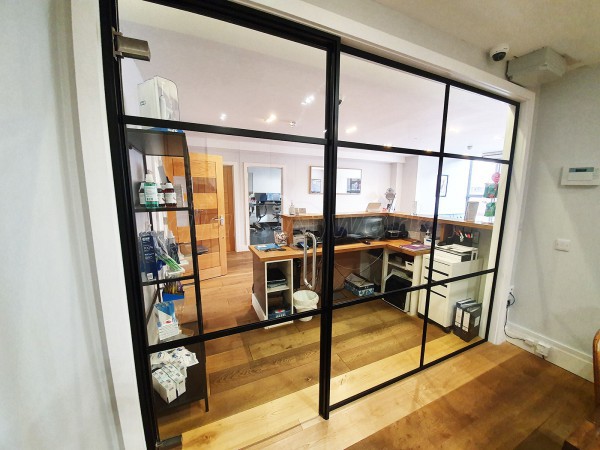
x=392, y=268
x=143, y=144
x=263, y=296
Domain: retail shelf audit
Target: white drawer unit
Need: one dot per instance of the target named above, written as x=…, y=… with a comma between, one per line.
x=444, y=297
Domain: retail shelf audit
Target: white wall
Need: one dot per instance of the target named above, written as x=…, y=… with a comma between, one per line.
x=558, y=294
x=370, y=12
x=55, y=381
x=265, y=179
x=426, y=179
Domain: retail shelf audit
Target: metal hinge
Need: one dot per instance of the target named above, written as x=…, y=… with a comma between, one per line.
x=174, y=441
x=126, y=47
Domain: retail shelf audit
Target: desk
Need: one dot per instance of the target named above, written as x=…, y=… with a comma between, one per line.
x=263, y=260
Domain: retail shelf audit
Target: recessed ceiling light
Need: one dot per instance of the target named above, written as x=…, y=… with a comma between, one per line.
x=351, y=129
x=223, y=116
x=308, y=100
x=272, y=118
x=292, y=123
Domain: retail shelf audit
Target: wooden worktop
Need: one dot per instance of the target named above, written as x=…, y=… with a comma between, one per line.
x=294, y=252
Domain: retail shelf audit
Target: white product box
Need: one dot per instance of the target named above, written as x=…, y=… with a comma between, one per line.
x=175, y=375
x=164, y=385
x=158, y=99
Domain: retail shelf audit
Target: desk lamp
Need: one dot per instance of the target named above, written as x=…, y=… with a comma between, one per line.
x=390, y=195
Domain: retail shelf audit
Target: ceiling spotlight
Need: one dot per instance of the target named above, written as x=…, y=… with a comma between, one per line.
x=223, y=116
x=388, y=145
x=351, y=129
x=308, y=100
x=292, y=123
x=272, y=118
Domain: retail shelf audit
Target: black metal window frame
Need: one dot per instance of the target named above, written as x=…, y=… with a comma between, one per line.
x=257, y=20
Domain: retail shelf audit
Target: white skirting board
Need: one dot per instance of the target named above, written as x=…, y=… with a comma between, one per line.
x=561, y=355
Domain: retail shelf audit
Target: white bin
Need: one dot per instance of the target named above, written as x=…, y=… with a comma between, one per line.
x=305, y=301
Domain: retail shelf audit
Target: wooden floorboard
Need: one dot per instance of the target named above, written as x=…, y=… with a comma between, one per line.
x=264, y=384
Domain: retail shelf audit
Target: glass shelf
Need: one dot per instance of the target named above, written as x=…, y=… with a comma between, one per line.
x=151, y=142
x=167, y=280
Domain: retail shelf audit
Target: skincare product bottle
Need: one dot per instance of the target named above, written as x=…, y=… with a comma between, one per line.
x=172, y=247
x=161, y=195
x=170, y=197
x=141, y=195
x=149, y=266
x=150, y=192
x=292, y=209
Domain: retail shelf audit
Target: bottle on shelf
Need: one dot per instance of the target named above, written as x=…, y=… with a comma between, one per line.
x=150, y=192
x=141, y=195
x=169, y=193
x=292, y=209
x=161, y=195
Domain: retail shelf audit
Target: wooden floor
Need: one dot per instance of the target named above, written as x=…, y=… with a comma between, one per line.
x=275, y=368
x=264, y=388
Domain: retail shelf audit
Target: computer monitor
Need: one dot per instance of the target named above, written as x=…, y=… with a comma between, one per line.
x=368, y=227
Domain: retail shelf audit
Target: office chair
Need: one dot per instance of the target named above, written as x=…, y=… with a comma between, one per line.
x=276, y=212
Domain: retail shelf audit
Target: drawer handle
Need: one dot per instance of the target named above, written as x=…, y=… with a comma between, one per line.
x=437, y=271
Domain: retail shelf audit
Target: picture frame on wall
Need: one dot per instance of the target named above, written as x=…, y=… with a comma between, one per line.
x=353, y=186
x=444, y=186
x=315, y=186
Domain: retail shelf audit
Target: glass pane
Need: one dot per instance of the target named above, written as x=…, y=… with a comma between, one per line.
x=478, y=125
x=471, y=196
x=459, y=311
x=251, y=375
x=372, y=343
x=378, y=232
x=171, y=311
x=207, y=71
x=239, y=286
x=385, y=106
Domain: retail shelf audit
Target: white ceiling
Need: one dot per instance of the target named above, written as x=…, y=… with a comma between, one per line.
x=571, y=27
x=221, y=68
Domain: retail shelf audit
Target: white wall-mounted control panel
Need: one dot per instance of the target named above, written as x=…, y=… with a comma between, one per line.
x=580, y=176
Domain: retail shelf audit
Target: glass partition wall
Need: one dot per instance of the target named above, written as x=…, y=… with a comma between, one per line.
x=372, y=255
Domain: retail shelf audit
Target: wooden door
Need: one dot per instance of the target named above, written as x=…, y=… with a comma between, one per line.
x=209, y=211
x=229, y=207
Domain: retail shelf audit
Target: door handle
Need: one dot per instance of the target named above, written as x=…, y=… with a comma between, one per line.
x=314, y=259
x=221, y=220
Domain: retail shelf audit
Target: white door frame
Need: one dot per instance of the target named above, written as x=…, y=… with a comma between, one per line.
x=247, y=165
x=238, y=200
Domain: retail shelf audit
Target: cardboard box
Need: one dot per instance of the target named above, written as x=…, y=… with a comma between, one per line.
x=358, y=285
x=175, y=375
x=164, y=385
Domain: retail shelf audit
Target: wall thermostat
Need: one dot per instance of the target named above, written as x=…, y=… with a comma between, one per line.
x=580, y=176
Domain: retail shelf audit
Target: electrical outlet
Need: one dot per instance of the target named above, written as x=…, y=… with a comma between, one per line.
x=542, y=349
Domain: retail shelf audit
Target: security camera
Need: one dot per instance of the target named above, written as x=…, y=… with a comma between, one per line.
x=498, y=52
